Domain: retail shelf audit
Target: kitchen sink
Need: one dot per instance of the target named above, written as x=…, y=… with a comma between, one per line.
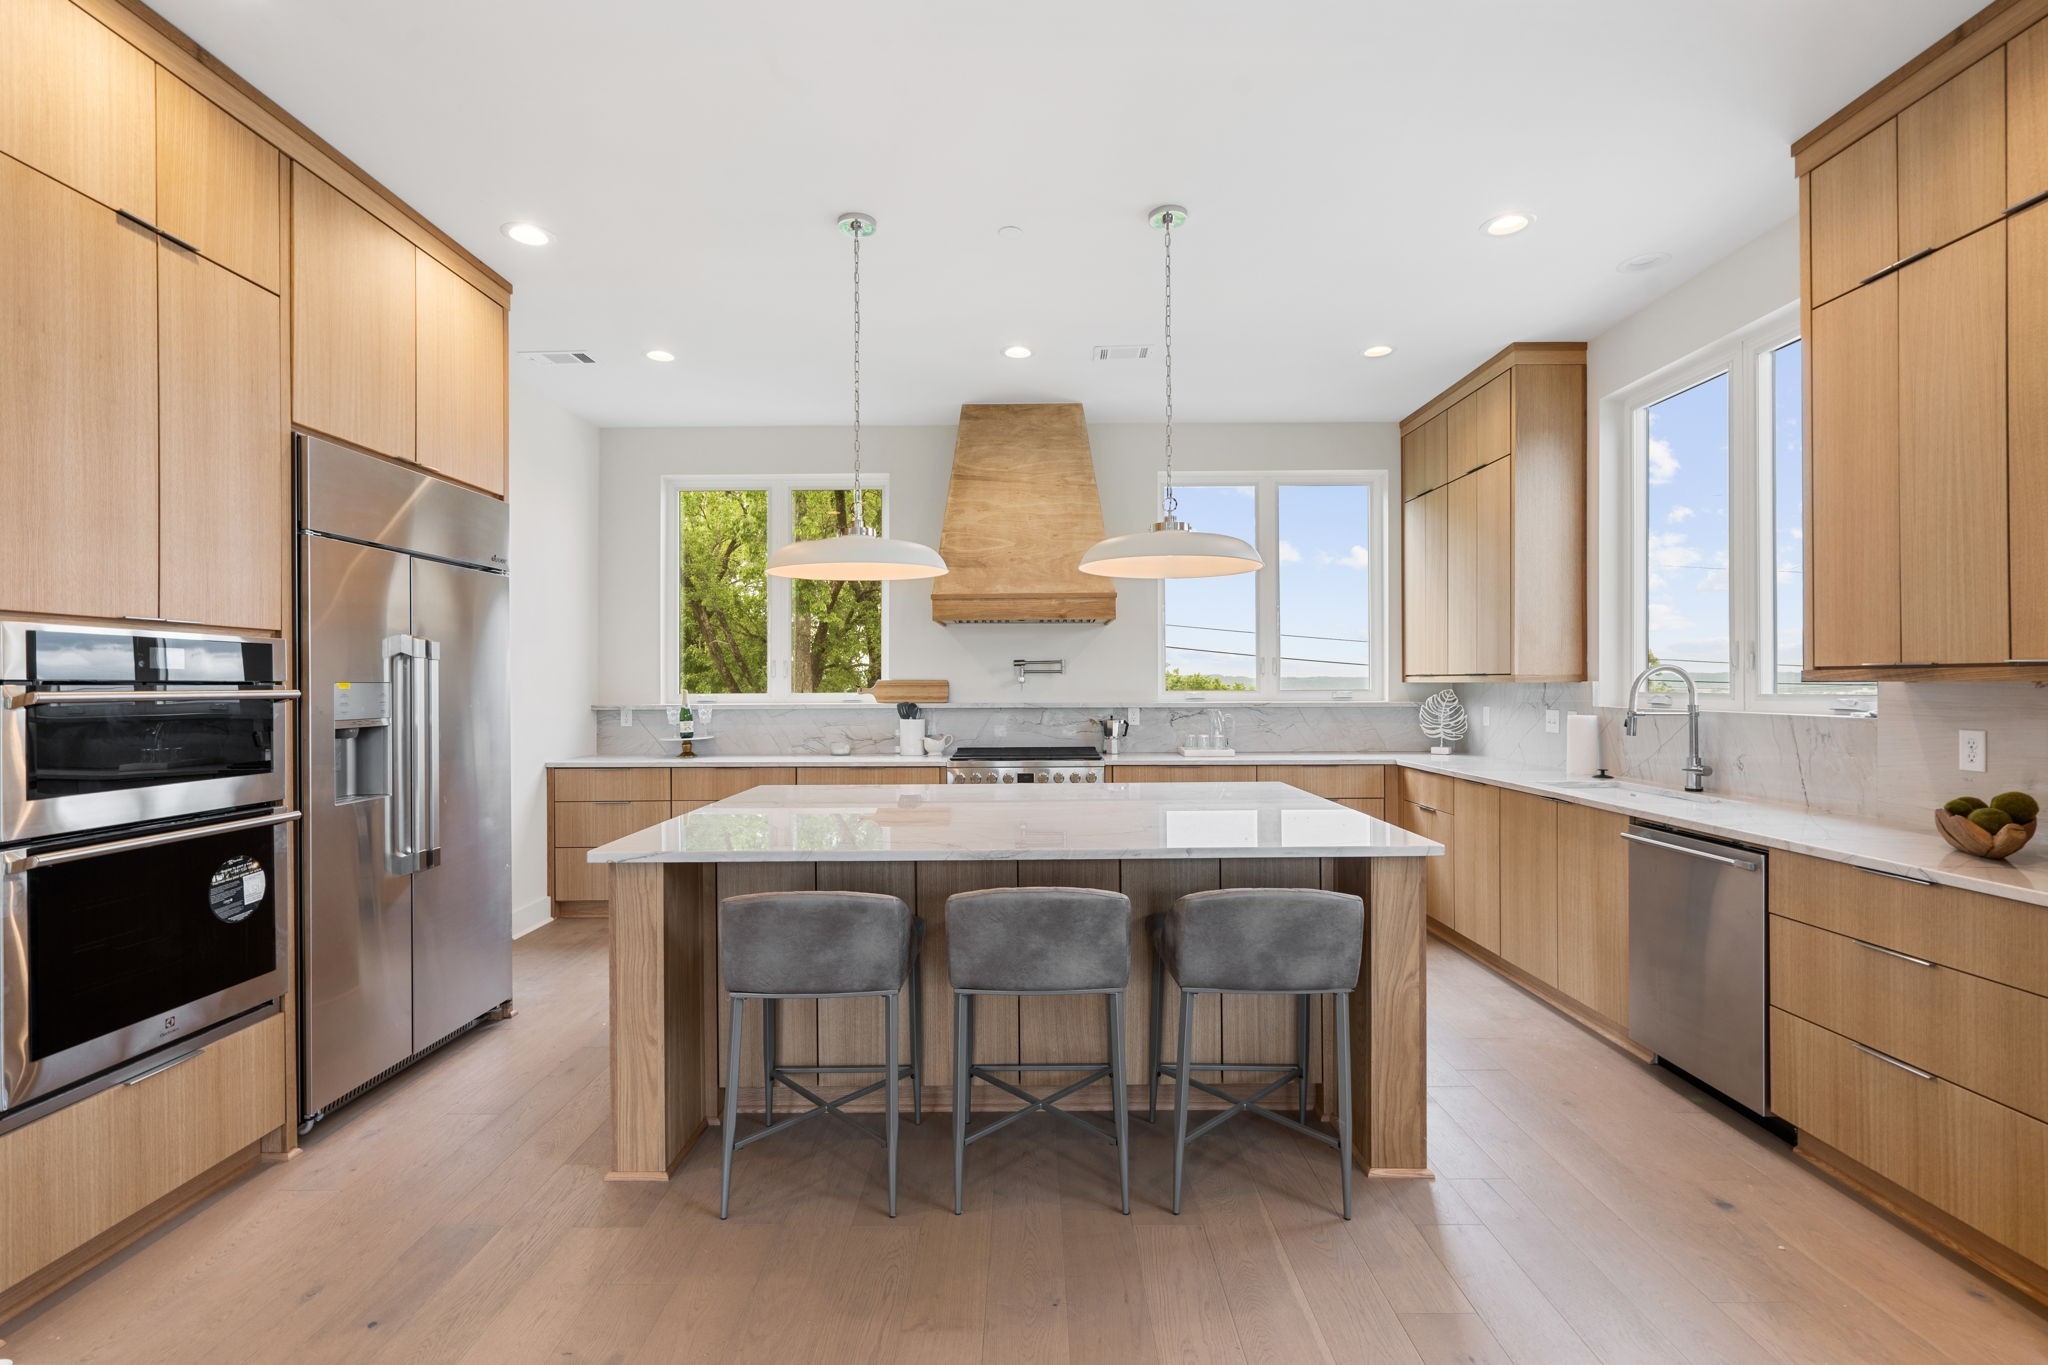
x=1632, y=788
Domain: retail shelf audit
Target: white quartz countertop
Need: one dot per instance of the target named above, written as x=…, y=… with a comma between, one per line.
x=961, y=823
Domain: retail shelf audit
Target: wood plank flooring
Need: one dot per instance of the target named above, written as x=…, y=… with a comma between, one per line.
x=1587, y=1209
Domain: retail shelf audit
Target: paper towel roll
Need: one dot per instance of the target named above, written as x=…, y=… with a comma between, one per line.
x=1581, y=745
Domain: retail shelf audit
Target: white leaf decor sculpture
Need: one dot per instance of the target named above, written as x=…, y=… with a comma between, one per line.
x=1443, y=720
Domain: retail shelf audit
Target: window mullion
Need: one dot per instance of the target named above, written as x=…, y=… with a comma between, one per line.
x=1266, y=513
x=781, y=530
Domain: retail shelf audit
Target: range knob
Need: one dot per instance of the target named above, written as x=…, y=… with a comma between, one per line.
x=1059, y=777
x=1091, y=777
x=1009, y=777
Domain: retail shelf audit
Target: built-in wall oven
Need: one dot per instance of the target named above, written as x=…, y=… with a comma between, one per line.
x=143, y=848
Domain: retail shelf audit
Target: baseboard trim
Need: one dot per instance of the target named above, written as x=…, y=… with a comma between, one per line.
x=1599, y=1025
x=531, y=916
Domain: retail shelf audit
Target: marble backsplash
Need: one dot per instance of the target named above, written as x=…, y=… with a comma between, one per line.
x=871, y=729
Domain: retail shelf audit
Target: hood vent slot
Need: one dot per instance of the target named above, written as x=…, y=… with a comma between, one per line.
x=559, y=357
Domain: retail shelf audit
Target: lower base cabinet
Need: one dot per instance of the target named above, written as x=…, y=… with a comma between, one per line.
x=1528, y=893
x=1592, y=910
x=1476, y=865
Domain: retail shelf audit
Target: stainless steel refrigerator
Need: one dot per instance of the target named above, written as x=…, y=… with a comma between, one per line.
x=405, y=928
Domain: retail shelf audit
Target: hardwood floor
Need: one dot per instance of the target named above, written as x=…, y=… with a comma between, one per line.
x=1587, y=1210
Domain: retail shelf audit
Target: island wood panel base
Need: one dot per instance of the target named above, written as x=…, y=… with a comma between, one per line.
x=669, y=1020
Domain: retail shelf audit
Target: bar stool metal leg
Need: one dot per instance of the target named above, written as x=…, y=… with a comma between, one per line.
x=1301, y=1062
x=1180, y=1092
x=916, y=1045
x=1344, y=1093
x=894, y=1092
x=768, y=1022
x=963, y=1006
x=732, y=1109
x=1152, y=1055
x=1120, y=1099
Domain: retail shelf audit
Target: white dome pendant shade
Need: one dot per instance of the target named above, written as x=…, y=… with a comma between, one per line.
x=1171, y=549
x=862, y=555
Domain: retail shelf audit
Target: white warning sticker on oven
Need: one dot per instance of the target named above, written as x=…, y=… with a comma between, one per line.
x=237, y=889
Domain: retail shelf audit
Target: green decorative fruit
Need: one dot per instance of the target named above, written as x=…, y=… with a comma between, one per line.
x=2021, y=807
x=1963, y=805
x=1991, y=819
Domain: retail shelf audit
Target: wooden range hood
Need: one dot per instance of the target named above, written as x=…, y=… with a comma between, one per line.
x=1020, y=512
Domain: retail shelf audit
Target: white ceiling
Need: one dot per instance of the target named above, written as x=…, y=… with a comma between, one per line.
x=1338, y=157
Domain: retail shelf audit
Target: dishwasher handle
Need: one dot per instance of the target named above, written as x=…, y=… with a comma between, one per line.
x=1745, y=864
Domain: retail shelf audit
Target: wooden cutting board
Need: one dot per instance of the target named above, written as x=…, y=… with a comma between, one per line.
x=911, y=689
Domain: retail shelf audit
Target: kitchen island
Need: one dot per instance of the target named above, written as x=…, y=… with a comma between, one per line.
x=1153, y=841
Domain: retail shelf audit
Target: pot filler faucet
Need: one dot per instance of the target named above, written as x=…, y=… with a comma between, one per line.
x=1695, y=769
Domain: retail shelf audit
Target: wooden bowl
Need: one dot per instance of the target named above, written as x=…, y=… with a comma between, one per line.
x=1965, y=837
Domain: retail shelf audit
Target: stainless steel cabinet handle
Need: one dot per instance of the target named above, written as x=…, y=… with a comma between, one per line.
x=1895, y=876
x=2028, y=202
x=20, y=699
x=1899, y=264
x=1744, y=863
x=139, y=1077
x=29, y=862
x=153, y=229
x=1891, y=952
x=1431, y=809
x=1887, y=1057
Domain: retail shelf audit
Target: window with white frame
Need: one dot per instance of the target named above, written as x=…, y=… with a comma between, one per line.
x=1717, y=558
x=731, y=630
x=1308, y=626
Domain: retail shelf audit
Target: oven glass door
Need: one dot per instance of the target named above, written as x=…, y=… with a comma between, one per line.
x=116, y=948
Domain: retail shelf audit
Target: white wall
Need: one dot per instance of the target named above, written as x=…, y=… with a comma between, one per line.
x=1106, y=665
x=555, y=538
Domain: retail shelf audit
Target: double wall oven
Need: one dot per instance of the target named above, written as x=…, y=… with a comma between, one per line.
x=143, y=815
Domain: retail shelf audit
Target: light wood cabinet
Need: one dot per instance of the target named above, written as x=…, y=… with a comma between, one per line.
x=78, y=402
x=1592, y=910
x=353, y=283
x=1476, y=864
x=1494, y=563
x=78, y=103
x=1952, y=455
x=223, y=447
x=1179, y=772
x=609, y=784
x=1528, y=883
x=1852, y=229
x=589, y=807
x=2027, y=420
x=1853, y=485
x=461, y=399
x=1480, y=584
x=2026, y=115
x=1425, y=457
x=1438, y=873
x=1336, y=781
x=218, y=184
x=1952, y=158
x=869, y=777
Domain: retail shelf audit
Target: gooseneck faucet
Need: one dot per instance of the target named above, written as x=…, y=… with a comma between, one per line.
x=1695, y=768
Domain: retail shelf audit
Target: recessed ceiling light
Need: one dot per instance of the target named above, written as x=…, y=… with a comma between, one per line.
x=527, y=234
x=1017, y=352
x=1375, y=352
x=663, y=356
x=1507, y=224
x=1009, y=231
x=1649, y=260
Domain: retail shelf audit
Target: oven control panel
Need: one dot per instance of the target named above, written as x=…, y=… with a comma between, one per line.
x=1055, y=774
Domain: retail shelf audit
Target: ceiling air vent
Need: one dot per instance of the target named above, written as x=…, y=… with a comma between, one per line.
x=1122, y=352
x=560, y=357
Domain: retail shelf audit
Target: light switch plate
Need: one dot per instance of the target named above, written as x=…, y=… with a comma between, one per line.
x=1970, y=750
x=1550, y=722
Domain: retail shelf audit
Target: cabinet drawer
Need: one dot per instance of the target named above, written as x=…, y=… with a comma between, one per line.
x=869, y=777
x=67, y=1178
x=577, y=879
x=1981, y=1035
x=1373, y=806
x=586, y=824
x=715, y=784
x=1174, y=772
x=1429, y=789
x=1988, y=936
x=611, y=784
x=1975, y=1159
x=1356, y=780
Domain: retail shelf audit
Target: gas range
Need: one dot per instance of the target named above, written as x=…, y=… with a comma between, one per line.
x=1040, y=763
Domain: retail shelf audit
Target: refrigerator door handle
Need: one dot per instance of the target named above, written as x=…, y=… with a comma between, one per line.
x=427, y=795
x=401, y=811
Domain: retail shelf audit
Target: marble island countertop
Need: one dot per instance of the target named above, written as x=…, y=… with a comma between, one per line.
x=961, y=823
x=891, y=760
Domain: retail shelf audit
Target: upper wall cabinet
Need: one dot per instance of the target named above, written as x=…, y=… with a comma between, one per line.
x=1853, y=213
x=1495, y=586
x=78, y=104
x=1952, y=158
x=460, y=386
x=217, y=184
x=353, y=281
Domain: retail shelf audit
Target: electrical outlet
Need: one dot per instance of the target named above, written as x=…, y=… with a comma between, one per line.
x=1970, y=750
x=1550, y=722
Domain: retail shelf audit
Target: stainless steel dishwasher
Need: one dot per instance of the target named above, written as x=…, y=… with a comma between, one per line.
x=1697, y=944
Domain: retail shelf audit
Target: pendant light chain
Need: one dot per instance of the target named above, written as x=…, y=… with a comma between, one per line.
x=1169, y=504
x=860, y=521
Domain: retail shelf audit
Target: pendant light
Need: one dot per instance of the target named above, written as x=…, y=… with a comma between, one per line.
x=862, y=555
x=1171, y=549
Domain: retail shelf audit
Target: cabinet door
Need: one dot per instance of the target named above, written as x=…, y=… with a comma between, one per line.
x=461, y=382
x=1425, y=584
x=76, y=103
x=78, y=432
x=1592, y=909
x=1852, y=213
x=1528, y=883
x=1437, y=876
x=2026, y=115
x=352, y=321
x=1953, y=566
x=2027, y=427
x=1481, y=426
x=1425, y=452
x=1952, y=158
x=1852, y=512
x=1481, y=583
x=1475, y=859
x=224, y=446
x=217, y=183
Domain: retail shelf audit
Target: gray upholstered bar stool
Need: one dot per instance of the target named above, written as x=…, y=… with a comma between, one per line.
x=1282, y=941
x=814, y=945
x=1038, y=940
